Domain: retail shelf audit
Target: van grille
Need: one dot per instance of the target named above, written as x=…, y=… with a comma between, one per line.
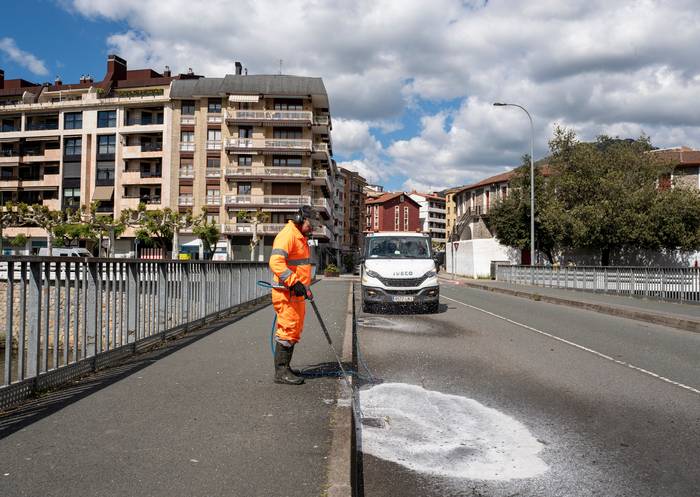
x=402, y=282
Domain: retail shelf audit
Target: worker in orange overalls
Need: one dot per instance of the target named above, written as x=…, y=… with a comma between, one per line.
x=291, y=265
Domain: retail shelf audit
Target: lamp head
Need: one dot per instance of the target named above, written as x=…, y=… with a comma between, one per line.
x=499, y=104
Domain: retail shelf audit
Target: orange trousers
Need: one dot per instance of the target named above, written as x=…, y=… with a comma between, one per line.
x=290, y=311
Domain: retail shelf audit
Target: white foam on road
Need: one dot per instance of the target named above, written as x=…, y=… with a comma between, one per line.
x=447, y=435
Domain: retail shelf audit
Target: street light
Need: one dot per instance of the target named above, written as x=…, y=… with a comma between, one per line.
x=532, y=178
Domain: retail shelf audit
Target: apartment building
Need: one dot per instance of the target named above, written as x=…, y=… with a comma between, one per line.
x=392, y=212
x=432, y=216
x=450, y=212
x=472, y=205
x=354, y=220
x=687, y=166
x=252, y=149
x=67, y=144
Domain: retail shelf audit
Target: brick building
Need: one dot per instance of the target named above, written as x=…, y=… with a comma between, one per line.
x=392, y=212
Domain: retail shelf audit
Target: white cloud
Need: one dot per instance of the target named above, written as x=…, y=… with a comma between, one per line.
x=22, y=58
x=601, y=67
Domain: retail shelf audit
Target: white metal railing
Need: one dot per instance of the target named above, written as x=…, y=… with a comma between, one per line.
x=261, y=228
x=187, y=120
x=320, y=147
x=65, y=317
x=286, y=199
x=321, y=202
x=680, y=284
x=321, y=120
x=238, y=199
x=186, y=147
x=213, y=172
x=239, y=171
x=213, y=200
x=298, y=172
x=214, y=118
x=320, y=173
x=185, y=200
x=213, y=144
x=269, y=143
x=269, y=115
x=186, y=173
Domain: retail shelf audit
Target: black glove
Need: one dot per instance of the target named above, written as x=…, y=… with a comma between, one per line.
x=298, y=289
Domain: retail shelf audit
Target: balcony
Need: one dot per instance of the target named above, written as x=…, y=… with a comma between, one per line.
x=52, y=203
x=133, y=202
x=143, y=151
x=286, y=172
x=186, y=173
x=292, y=201
x=187, y=147
x=322, y=205
x=268, y=144
x=214, y=144
x=41, y=125
x=322, y=120
x=323, y=231
x=321, y=177
x=213, y=200
x=296, y=117
x=185, y=201
x=141, y=178
x=50, y=155
x=187, y=120
x=47, y=180
x=214, y=119
x=140, y=121
x=249, y=228
x=239, y=172
x=9, y=156
x=213, y=172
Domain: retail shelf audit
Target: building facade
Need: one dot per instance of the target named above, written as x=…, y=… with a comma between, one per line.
x=354, y=210
x=392, y=212
x=66, y=145
x=472, y=205
x=450, y=212
x=432, y=216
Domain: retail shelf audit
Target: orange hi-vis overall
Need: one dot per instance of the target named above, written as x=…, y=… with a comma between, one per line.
x=290, y=262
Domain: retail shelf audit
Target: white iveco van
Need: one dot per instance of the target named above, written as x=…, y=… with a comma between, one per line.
x=398, y=268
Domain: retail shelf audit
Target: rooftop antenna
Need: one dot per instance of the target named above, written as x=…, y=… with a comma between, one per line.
x=280, y=67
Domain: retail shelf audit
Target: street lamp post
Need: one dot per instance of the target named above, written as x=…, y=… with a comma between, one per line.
x=532, y=178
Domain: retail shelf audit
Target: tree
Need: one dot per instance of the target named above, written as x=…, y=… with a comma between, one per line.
x=160, y=227
x=208, y=233
x=41, y=216
x=100, y=227
x=253, y=217
x=510, y=216
x=19, y=241
x=9, y=217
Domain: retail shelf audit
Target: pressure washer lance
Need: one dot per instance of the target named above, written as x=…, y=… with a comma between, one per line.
x=373, y=422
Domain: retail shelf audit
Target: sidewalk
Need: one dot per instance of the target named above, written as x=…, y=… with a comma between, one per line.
x=199, y=417
x=680, y=316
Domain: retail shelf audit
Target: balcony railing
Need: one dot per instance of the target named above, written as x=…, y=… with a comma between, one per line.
x=238, y=199
x=213, y=144
x=213, y=172
x=269, y=143
x=272, y=200
x=41, y=126
x=188, y=120
x=9, y=153
x=292, y=172
x=321, y=120
x=214, y=118
x=151, y=147
x=9, y=129
x=239, y=171
x=186, y=147
x=321, y=147
x=186, y=173
x=321, y=202
x=185, y=200
x=261, y=228
x=269, y=115
x=213, y=200
x=140, y=121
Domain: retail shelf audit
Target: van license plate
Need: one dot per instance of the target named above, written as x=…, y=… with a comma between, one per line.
x=403, y=298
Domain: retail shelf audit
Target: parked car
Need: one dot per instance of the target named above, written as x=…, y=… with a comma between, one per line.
x=65, y=252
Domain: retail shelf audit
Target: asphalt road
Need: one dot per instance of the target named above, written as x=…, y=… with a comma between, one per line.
x=613, y=404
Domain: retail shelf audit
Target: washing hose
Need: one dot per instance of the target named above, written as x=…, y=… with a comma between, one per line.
x=306, y=371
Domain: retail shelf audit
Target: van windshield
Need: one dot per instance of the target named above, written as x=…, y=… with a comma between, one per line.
x=396, y=247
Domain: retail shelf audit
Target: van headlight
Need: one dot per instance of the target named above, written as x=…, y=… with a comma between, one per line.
x=430, y=274
x=371, y=273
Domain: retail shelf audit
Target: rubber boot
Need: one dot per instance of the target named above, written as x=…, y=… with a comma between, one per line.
x=283, y=374
x=294, y=371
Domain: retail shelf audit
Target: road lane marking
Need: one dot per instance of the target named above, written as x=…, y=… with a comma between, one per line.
x=581, y=347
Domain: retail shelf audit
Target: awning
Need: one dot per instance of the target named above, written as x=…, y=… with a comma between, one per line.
x=196, y=243
x=41, y=138
x=9, y=140
x=103, y=193
x=243, y=98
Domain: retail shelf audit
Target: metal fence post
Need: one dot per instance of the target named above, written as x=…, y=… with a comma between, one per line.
x=91, y=320
x=34, y=311
x=203, y=294
x=9, y=309
x=186, y=293
x=162, y=296
x=132, y=306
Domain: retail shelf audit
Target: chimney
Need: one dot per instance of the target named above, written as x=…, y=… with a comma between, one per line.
x=245, y=71
x=88, y=78
x=239, y=68
x=2, y=79
x=166, y=73
x=190, y=71
x=57, y=81
x=116, y=68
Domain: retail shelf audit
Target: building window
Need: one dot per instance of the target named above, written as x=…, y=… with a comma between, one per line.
x=214, y=135
x=187, y=108
x=106, y=144
x=106, y=118
x=286, y=161
x=71, y=198
x=243, y=188
x=72, y=146
x=213, y=194
x=289, y=104
x=245, y=132
x=245, y=160
x=214, y=106
x=214, y=162
x=212, y=219
x=187, y=136
x=396, y=218
x=376, y=217
x=287, y=133
x=73, y=120
x=405, y=218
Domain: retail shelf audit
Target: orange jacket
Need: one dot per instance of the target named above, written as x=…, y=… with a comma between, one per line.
x=290, y=259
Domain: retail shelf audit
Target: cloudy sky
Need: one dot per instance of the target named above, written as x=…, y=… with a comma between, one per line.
x=411, y=82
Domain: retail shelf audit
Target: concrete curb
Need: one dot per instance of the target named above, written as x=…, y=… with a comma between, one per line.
x=647, y=317
x=341, y=423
